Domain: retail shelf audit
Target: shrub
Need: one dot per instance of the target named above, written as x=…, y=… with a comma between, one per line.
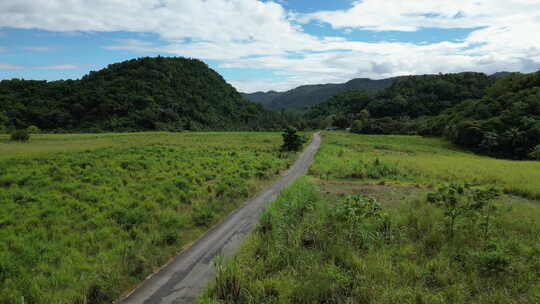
x=33, y=129
x=20, y=135
x=491, y=263
x=458, y=201
x=202, y=215
x=357, y=126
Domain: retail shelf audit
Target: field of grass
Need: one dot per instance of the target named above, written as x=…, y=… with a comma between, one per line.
x=427, y=161
x=375, y=223
x=84, y=218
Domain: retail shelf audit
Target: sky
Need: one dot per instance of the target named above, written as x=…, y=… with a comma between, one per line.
x=272, y=45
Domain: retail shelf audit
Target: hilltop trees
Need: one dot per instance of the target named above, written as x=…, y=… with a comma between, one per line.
x=495, y=116
x=161, y=93
x=505, y=123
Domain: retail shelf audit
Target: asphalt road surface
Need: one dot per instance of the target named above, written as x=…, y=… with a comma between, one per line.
x=184, y=278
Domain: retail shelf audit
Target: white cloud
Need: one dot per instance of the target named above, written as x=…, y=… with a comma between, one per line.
x=9, y=66
x=67, y=66
x=397, y=15
x=263, y=35
x=37, y=48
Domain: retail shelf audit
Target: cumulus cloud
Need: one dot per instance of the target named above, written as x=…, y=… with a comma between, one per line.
x=397, y=15
x=9, y=66
x=37, y=48
x=263, y=35
x=58, y=67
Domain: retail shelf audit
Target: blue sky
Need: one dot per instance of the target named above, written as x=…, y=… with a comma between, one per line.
x=263, y=45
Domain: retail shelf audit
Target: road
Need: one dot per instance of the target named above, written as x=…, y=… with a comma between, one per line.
x=183, y=279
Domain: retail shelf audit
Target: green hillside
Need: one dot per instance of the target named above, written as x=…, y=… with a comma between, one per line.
x=140, y=94
x=309, y=95
x=498, y=116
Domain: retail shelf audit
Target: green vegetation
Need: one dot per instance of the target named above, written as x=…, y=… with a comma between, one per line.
x=495, y=116
x=505, y=123
x=408, y=97
x=168, y=94
x=85, y=225
x=433, y=235
x=20, y=135
x=417, y=160
x=292, y=141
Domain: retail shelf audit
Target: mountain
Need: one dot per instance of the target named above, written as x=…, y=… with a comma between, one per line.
x=411, y=96
x=162, y=93
x=263, y=98
x=308, y=95
x=500, y=74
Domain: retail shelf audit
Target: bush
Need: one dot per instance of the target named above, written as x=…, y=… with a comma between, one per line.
x=20, y=135
x=33, y=129
x=357, y=126
x=459, y=201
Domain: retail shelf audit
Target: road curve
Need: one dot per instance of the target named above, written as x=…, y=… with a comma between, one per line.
x=183, y=279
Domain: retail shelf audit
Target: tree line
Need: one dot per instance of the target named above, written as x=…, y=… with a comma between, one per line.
x=497, y=116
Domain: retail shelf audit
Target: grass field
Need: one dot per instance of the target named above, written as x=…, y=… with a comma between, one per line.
x=84, y=218
x=376, y=222
x=426, y=161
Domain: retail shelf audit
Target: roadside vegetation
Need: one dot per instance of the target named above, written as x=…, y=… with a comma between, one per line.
x=393, y=219
x=87, y=224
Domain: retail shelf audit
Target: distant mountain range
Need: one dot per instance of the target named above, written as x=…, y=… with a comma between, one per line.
x=309, y=95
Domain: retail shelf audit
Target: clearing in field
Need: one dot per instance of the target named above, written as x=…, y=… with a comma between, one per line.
x=394, y=219
x=86, y=224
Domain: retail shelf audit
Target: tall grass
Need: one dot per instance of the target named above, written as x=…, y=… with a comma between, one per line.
x=308, y=250
x=421, y=160
x=85, y=225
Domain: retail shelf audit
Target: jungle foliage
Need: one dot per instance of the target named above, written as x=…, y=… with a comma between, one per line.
x=168, y=94
x=498, y=116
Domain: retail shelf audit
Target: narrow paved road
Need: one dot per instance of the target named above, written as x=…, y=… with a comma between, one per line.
x=183, y=279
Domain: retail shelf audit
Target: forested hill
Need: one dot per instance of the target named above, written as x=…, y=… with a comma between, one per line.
x=410, y=96
x=309, y=95
x=498, y=115
x=160, y=93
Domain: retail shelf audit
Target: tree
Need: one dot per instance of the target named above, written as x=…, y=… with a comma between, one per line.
x=291, y=140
